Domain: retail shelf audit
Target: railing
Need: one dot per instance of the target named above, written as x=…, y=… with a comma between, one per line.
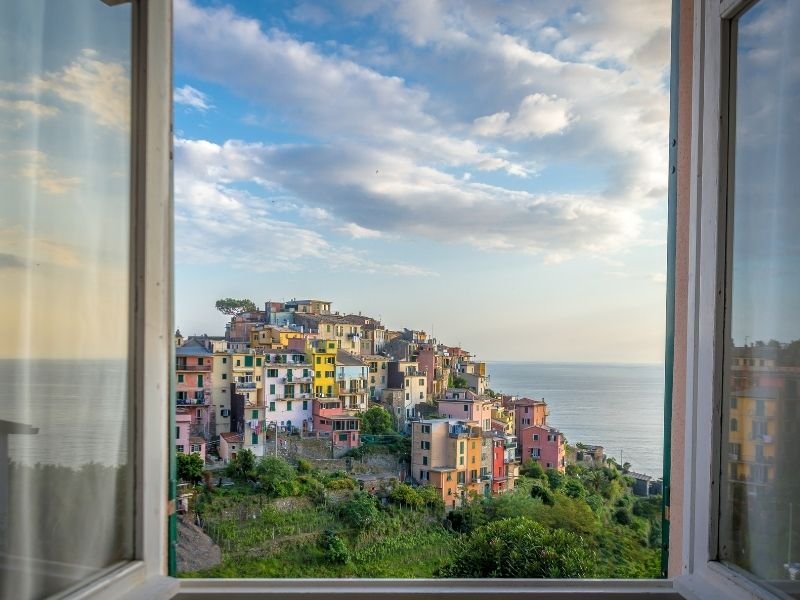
x=190, y=401
x=761, y=437
x=245, y=385
x=195, y=368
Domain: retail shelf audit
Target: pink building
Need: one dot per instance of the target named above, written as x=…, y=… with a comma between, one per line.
x=193, y=367
x=331, y=419
x=185, y=442
x=544, y=444
x=528, y=412
x=229, y=444
x=465, y=405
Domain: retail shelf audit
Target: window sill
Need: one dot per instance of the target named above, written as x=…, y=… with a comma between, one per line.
x=389, y=589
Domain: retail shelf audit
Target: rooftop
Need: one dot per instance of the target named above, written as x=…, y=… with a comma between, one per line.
x=346, y=359
x=231, y=437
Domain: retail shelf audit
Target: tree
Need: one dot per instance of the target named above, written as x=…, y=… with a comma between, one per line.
x=532, y=468
x=518, y=548
x=190, y=467
x=539, y=490
x=405, y=495
x=360, y=512
x=555, y=479
x=234, y=307
x=276, y=476
x=574, y=488
x=375, y=421
x=335, y=548
x=242, y=467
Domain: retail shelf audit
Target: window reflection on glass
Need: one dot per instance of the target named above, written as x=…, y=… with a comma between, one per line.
x=760, y=512
x=66, y=507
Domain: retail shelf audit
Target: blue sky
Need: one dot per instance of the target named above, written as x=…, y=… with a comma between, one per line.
x=493, y=172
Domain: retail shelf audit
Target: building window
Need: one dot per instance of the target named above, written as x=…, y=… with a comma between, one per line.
x=179, y=448
x=466, y=407
x=305, y=404
x=289, y=405
x=180, y=377
x=734, y=425
x=254, y=438
x=254, y=414
x=272, y=406
x=224, y=360
x=224, y=375
x=195, y=448
x=535, y=437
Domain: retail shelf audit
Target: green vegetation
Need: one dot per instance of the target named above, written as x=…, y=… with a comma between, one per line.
x=190, y=467
x=284, y=521
x=520, y=547
x=375, y=421
x=234, y=306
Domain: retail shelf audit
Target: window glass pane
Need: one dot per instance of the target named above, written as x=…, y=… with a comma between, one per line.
x=760, y=511
x=66, y=470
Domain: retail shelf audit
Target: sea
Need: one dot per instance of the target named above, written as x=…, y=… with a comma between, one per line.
x=78, y=410
x=617, y=406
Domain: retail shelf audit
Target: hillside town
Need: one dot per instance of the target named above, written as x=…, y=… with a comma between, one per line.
x=300, y=369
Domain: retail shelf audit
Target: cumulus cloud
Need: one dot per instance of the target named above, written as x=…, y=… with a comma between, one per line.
x=217, y=223
x=18, y=248
x=100, y=87
x=538, y=115
x=34, y=166
x=446, y=141
x=40, y=111
x=405, y=199
x=191, y=97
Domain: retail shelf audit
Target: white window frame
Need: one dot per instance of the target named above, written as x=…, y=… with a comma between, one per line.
x=146, y=577
x=151, y=351
x=702, y=576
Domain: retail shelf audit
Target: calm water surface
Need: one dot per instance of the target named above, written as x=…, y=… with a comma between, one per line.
x=619, y=407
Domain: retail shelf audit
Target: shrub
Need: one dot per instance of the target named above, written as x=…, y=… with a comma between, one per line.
x=520, y=547
x=622, y=516
x=304, y=467
x=574, y=488
x=335, y=548
x=533, y=469
x=361, y=511
x=554, y=479
x=276, y=476
x=539, y=490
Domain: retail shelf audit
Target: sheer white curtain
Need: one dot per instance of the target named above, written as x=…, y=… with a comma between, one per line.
x=66, y=473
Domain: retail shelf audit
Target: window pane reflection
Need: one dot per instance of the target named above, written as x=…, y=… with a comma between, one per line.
x=760, y=517
x=66, y=476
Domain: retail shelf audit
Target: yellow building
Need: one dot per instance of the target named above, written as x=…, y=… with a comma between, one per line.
x=752, y=426
x=273, y=337
x=323, y=360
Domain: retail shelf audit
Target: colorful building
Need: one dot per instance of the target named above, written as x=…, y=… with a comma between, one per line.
x=466, y=405
x=544, y=444
x=446, y=454
x=377, y=376
x=193, y=383
x=229, y=445
x=247, y=372
x=323, y=359
x=185, y=442
x=288, y=383
x=351, y=381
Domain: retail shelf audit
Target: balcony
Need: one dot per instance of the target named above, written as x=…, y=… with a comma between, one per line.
x=763, y=438
x=193, y=368
x=191, y=402
x=245, y=386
